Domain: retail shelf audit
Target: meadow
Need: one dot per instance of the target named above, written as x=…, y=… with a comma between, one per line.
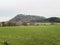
x=30, y=35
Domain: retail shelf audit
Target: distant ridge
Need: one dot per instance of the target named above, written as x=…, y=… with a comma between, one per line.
x=25, y=18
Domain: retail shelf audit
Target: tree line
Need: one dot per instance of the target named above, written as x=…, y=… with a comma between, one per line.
x=51, y=19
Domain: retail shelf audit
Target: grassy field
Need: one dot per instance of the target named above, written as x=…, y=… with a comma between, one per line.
x=30, y=35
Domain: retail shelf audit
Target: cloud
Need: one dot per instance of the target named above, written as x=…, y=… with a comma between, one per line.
x=46, y=8
x=6, y=4
x=4, y=18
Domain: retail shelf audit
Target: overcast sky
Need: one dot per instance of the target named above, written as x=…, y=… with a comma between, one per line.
x=47, y=8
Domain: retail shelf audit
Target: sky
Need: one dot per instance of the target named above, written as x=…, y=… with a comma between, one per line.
x=46, y=8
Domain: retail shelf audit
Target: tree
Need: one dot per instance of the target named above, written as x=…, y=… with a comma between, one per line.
x=11, y=24
x=53, y=20
x=24, y=23
x=3, y=24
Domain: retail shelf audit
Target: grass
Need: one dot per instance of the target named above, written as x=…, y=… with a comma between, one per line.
x=30, y=35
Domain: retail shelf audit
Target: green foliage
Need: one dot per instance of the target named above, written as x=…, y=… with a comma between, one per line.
x=3, y=24
x=31, y=35
x=11, y=24
x=54, y=19
x=24, y=23
x=51, y=19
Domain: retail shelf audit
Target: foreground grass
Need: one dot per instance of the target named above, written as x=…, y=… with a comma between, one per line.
x=30, y=35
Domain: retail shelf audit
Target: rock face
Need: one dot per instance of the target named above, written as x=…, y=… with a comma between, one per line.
x=25, y=18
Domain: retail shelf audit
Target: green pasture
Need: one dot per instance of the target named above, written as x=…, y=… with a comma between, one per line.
x=30, y=35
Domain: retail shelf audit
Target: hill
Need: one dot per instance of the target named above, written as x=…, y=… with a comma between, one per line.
x=25, y=18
